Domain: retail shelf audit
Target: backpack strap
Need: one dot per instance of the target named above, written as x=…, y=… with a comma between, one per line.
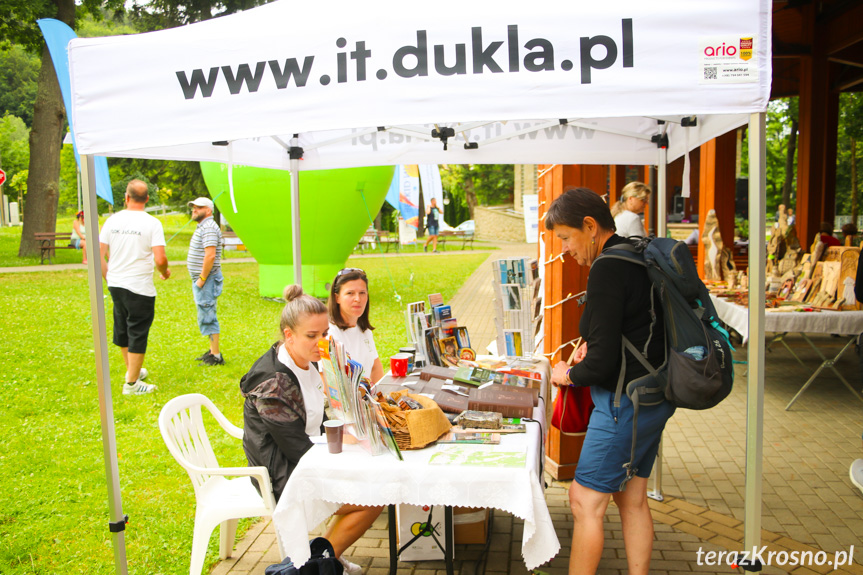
x=630, y=469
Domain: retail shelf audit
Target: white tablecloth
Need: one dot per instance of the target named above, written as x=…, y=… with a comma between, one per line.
x=322, y=482
x=841, y=322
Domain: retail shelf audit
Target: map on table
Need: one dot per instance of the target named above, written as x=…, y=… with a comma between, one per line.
x=468, y=455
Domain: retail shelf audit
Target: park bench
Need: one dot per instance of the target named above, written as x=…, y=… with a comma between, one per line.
x=465, y=237
x=372, y=237
x=230, y=241
x=48, y=242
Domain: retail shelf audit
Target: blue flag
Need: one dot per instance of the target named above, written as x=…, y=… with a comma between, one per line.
x=57, y=36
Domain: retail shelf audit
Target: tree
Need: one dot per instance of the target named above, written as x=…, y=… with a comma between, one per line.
x=850, y=133
x=475, y=184
x=780, y=115
x=18, y=72
x=159, y=14
x=18, y=24
x=790, y=150
x=14, y=151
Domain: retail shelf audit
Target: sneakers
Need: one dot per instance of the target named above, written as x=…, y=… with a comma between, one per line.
x=425, y=248
x=211, y=359
x=350, y=568
x=138, y=388
x=203, y=355
x=143, y=374
x=856, y=473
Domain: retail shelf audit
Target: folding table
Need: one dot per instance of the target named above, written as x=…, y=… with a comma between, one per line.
x=783, y=322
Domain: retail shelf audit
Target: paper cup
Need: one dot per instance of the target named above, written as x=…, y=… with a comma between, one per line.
x=335, y=433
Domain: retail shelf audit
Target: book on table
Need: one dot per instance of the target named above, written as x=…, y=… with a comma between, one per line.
x=478, y=437
x=503, y=399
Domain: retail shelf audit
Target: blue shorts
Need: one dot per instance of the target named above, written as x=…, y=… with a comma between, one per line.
x=433, y=230
x=205, y=301
x=608, y=443
x=75, y=243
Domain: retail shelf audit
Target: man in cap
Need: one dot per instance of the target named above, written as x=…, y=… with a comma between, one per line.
x=133, y=242
x=204, y=264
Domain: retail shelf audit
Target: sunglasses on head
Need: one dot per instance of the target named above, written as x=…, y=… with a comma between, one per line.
x=349, y=270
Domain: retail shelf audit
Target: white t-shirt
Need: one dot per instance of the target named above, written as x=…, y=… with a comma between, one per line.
x=312, y=387
x=131, y=236
x=629, y=224
x=360, y=345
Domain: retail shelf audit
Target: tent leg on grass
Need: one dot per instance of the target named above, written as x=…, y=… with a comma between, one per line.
x=103, y=374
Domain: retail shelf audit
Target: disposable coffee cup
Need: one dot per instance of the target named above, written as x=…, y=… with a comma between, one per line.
x=412, y=352
x=335, y=434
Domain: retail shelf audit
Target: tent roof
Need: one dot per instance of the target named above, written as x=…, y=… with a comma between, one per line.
x=338, y=70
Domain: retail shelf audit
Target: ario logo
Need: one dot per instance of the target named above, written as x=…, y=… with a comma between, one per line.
x=721, y=50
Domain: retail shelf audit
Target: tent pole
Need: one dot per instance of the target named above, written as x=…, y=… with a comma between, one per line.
x=103, y=374
x=295, y=214
x=755, y=381
x=661, y=221
x=661, y=195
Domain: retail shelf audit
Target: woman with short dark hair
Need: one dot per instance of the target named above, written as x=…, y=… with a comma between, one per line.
x=617, y=304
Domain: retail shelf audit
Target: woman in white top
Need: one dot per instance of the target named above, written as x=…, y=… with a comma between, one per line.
x=627, y=211
x=349, y=320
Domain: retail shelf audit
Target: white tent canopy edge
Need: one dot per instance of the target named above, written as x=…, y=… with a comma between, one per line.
x=122, y=83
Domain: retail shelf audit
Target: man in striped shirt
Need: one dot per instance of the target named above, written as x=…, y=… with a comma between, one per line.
x=204, y=264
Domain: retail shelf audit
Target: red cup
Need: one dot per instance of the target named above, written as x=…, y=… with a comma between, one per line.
x=399, y=364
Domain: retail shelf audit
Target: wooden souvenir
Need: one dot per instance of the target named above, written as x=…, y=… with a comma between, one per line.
x=814, y=289
x=782, y=220
x=830, y=279
x=801, y=291
x=785, y=290
x=712, y=240
x=847, y=278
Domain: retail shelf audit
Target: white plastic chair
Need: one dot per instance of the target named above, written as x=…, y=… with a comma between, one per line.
x=219, y=501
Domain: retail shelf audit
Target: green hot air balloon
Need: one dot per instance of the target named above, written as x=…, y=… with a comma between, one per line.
x=334, y=213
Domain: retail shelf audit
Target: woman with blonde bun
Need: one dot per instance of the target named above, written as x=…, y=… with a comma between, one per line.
x=627, y=211
x=284, y=407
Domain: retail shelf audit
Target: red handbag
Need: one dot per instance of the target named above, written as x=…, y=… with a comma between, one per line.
x=572, y=409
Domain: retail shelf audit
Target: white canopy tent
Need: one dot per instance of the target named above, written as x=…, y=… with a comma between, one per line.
x=312, y=86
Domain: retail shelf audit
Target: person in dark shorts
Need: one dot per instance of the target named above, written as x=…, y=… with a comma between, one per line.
x=617, y=304
x=131, y=243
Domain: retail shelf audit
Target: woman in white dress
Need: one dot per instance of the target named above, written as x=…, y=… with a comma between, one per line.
x=627, y=211
x=348, y=308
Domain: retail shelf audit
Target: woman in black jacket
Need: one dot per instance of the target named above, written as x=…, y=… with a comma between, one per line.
x=285, y=406
x=617, y=304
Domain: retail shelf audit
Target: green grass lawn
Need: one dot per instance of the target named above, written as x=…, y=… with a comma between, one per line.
x=53, y=496
x=178, y=232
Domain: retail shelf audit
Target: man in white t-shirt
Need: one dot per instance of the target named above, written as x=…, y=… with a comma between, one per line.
x=131, y=243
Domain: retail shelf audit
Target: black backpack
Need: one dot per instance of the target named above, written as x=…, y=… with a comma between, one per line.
x=323, y=561
x=698, y=369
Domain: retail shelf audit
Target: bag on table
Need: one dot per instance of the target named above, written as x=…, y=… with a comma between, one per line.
x=322, y=561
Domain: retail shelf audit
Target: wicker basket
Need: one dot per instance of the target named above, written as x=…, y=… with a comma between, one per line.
x=415, y=429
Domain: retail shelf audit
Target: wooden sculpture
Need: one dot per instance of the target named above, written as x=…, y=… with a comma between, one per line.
x=713, y=247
